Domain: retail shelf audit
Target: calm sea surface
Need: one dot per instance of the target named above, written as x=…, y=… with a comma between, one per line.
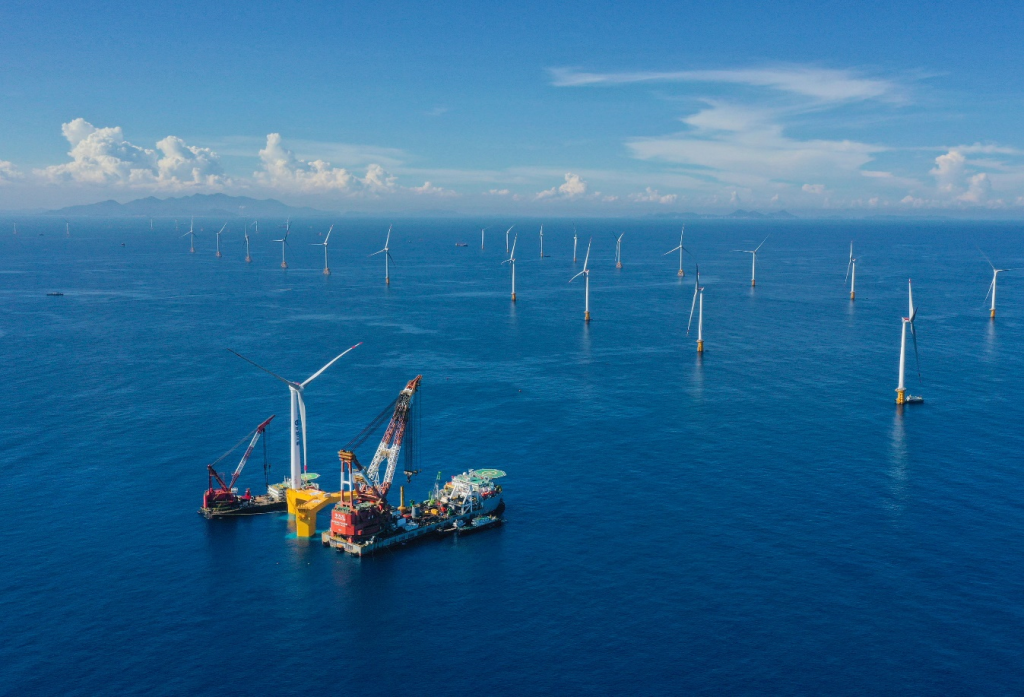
x=763, y=520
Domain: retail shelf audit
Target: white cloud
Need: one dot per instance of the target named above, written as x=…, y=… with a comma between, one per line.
x=978, y=189
x=814, y=188
x=281, y=169
x=949, y=171
x=818, y=83
x=377, y=180
x=573, y=187
x=431, y=190
x=653, y=196
x=102, y=156
x=731, y=141
x=498, y=192
x=8, y=172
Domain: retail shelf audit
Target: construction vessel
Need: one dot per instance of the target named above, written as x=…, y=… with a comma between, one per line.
x=223, y=501
x=363, y=522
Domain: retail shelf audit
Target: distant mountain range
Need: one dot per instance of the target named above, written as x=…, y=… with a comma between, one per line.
x=219, y=205
x=737, y=214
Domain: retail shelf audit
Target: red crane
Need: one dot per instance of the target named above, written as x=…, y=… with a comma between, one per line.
x=224, y=496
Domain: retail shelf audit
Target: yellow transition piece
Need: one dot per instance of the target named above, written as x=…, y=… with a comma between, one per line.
x=304, y=504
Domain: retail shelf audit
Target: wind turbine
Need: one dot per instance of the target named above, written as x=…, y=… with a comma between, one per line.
x=15, y=228
x=680, y=250
x=512, y=262
x=283, y=241
x=851, y=272
x=901, y=391
x=327, y=268
x=67, y=229
x=298, y=460
x=248, y=259
x=574, y=243
x=992, y=286
x=586, y=279
x=618, y=251
x=541, y=242
x=506, y=238
x=754, y=259
x=387, y=257
x=191, y=234
x=482, y=231
x=697, y=291
x=218, y=237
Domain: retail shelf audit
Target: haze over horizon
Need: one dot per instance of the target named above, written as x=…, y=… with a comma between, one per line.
x=562, y=110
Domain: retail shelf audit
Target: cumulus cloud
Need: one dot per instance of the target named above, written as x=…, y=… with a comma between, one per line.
x=949, y=171
x=498, y=192
x=653, y=196
x=431, y=190
x=283, y=170
x=103, y=156
x=979, y=187
x=8, y=172
x=814, y=188
x=573, y=187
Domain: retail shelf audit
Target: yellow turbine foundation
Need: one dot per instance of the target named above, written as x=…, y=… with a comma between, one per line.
x=851, y=295
x=753, y=283
x=992, y=314
x=284, y=264
x=680, y=273
x=700, y=346
x=304, y=504
x=586, y=316
x=513, y=297
x=901, y=396
x=248, y=260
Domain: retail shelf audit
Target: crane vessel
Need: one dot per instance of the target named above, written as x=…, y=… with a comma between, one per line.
x=223, y=501
x=363, y=522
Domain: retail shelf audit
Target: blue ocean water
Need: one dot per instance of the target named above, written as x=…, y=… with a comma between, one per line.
x=762, y=520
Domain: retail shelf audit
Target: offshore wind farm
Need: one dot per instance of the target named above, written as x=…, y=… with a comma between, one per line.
x=740, y=416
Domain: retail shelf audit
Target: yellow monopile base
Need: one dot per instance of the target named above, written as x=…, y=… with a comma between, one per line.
x=191, y=251
x=901, y=396
x=304, y=504
x=700, y=346
x=586, y=316
x=618, y=265
x=753, y=283
x=992, y=314
x=513, y=297
x=387, y=281
x=284, y=264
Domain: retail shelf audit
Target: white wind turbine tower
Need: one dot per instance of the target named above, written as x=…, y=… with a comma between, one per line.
x=901, y=391
x=574, y=240
x=541, y=242
x=851, y=272
x=586, y=279
x=506, y=238
x=327, y=267
x=283, y=241
x=992, y=286
x=218, y=237
x=680, y=250
x=387, y=257
x=67, y=229
x=298, y=405
x=512, y=262
x=618, y=251
x=191, y=234
x=482, y=231
x=753, y=259
x=248, y=258
x=698, y=290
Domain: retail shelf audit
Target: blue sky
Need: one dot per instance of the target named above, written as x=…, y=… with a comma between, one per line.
x=568, y=109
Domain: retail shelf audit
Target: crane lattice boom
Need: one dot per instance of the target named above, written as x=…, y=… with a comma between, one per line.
x=391, y=443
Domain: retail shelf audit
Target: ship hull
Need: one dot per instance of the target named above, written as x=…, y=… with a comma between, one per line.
x=257, y=506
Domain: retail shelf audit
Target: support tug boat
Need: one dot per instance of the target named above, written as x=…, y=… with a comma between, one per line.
x=363, y=522
x=223, y=500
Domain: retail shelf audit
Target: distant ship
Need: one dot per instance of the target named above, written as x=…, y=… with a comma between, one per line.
x=461, y=244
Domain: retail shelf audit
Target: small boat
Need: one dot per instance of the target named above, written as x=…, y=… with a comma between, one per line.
x=461, y=244
x=482, y=522
x=55, y=294
x=913, y=399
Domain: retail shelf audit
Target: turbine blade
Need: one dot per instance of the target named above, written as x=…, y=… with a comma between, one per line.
x=514, y=240
x=762, y=242
x=574, y=277
x=989, y=291
x=696, y=289
x=674, y=249
x=287, y=382
x=587, y=258
x=848, y=270
x=379, y=251
x=985, y=255
x=328, y=238
x=917, y=359
x=315, y=375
